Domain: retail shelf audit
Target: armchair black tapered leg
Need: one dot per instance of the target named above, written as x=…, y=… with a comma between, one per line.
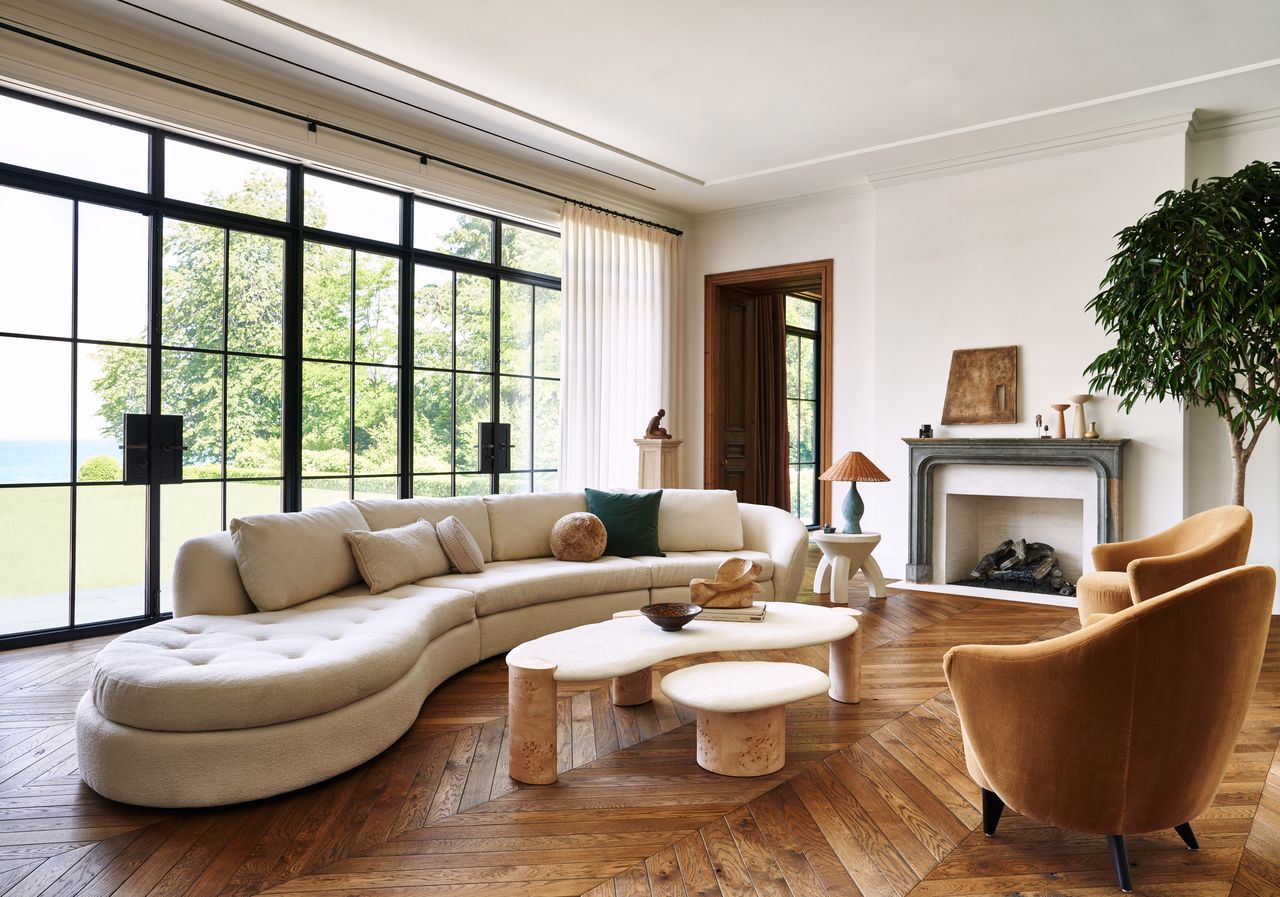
x=1120, y=857
x=1188, y=836
x=992, y=807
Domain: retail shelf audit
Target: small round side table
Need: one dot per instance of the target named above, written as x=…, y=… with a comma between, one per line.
x=844, y=554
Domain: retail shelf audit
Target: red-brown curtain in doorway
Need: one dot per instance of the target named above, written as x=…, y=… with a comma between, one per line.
x=775, y=450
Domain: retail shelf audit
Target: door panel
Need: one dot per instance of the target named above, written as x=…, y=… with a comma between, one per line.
x=735, y=394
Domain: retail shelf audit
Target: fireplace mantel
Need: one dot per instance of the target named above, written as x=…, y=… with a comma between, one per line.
x=1103, y=456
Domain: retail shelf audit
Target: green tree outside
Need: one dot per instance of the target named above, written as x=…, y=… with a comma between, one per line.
x=339, y=285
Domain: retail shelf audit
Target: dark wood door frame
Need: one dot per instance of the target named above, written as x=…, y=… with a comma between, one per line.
x=774, y=279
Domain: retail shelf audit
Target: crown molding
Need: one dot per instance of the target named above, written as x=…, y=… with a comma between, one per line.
x=37, y=67
x=1215, y=128
x=822, y=198
x=1130, y=132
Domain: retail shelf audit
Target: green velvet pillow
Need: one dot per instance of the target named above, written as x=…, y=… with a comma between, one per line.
x=630, y=520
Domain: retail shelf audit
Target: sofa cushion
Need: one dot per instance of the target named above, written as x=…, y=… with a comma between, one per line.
x=679, y=567
x=205, y=673
x=459, y=547
x=384, y=513
x=286, y=559
x=630, y=520
x=393, y=557
x=507, y=585
x=521, y=524
x=699, y=520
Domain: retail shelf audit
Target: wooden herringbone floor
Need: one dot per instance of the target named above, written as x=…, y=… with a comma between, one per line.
x=874, y=800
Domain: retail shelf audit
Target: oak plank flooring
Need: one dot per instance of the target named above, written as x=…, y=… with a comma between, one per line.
x=874, y=800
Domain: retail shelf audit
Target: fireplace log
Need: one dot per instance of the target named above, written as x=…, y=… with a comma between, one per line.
x=1045, y=566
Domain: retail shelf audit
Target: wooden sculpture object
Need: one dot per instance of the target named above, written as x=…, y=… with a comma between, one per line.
x=655, y=430
x=734, y=586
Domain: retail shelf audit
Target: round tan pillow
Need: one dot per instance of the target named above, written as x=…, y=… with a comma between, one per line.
x=578, y=537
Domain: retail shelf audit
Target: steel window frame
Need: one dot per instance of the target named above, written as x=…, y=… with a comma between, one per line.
x=158, y=207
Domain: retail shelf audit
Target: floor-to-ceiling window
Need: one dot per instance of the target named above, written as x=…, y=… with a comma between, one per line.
x=321, y=338
x=803, y=377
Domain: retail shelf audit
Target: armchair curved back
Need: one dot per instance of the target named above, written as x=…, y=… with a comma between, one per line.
x=1127, y=725
x=1204, y=543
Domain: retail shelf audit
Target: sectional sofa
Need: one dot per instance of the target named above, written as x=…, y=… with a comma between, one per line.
x=228, y=703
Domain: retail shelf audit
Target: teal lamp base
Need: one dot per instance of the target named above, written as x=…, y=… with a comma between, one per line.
x=853, y=509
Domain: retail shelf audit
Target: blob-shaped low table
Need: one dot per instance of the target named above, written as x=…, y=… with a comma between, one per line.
x=625, y=648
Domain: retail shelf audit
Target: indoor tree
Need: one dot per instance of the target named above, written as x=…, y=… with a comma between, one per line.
x=1192, y=297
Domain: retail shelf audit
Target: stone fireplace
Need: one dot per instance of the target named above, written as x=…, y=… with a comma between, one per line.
x=968, y=495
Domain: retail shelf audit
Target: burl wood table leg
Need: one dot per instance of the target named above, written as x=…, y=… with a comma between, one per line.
x=633, y=688
x=845, y=664
x=753, y=743
x=531, y=716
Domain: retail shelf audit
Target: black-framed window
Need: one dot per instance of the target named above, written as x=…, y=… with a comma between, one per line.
x=322, y=336
x=803, y=405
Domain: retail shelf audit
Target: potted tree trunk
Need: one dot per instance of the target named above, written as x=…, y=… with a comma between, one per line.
x=1193, y=298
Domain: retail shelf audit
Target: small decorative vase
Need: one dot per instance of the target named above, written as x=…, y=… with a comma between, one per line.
x=1077, y=422
x=1092, y=432
x=1060, y=425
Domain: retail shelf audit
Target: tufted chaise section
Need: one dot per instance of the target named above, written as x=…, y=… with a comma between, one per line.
x=206, y=672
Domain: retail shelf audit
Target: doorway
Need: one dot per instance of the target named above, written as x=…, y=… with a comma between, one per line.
x=768, y=366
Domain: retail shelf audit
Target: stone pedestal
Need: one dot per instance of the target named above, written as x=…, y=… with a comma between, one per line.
x=659, y=463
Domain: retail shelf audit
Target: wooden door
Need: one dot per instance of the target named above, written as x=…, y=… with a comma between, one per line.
x=735, y=437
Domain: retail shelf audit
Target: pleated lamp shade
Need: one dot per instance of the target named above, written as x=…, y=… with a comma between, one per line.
x=854, y=467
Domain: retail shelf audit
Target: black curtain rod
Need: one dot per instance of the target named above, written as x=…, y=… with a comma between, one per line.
x=313, y=123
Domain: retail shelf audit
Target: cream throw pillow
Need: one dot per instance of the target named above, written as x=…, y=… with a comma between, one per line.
x=286, y=559
x=464, y=554
x=393, y=557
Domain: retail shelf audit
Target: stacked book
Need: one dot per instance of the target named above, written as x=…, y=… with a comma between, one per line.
x=752, y=614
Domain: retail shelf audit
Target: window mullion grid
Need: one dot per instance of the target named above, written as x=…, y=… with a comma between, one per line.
x=154, y=371
x=73, y=477
x=351, y=395
x=291, y=398
x=408, y=349
x=226, y=339
x=453, y=399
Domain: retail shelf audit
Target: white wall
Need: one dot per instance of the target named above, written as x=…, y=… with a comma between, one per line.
x=1010, y=255
x=1209, y=456
x=996, y=256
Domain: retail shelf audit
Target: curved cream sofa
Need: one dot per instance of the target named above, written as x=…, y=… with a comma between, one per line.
x=226, y=703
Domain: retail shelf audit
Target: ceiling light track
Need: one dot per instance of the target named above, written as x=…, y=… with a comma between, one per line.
x=313, y=123
x=382, y=95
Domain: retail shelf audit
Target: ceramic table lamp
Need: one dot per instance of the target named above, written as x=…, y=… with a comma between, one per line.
x=853, y=468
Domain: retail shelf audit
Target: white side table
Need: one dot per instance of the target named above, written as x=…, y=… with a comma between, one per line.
x=844, y=554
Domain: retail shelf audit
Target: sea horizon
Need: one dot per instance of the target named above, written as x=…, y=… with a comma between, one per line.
x=47, y=460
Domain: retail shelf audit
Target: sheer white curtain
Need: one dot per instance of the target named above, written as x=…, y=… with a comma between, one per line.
x=621, y=288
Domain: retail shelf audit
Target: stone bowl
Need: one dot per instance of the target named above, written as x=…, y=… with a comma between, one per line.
x=670, y=617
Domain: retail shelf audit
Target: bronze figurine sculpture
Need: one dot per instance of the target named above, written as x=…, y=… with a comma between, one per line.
x=655, y=429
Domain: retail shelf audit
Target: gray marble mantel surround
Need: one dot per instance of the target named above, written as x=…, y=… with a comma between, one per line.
x=1104, y=456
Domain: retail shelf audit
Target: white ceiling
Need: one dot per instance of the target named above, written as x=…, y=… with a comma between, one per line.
x=717, y=103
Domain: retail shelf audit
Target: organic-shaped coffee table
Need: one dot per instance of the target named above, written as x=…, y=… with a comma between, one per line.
x=625, y=648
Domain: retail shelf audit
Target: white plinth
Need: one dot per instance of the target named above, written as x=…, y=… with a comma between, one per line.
x=659, y=463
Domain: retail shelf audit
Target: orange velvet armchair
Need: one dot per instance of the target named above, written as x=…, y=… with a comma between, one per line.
x=1125, y=726
x=1130, y=572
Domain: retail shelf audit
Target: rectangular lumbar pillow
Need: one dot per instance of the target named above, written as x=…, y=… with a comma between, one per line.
x=393, y=557
x=286, y=559
x=630, y=519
